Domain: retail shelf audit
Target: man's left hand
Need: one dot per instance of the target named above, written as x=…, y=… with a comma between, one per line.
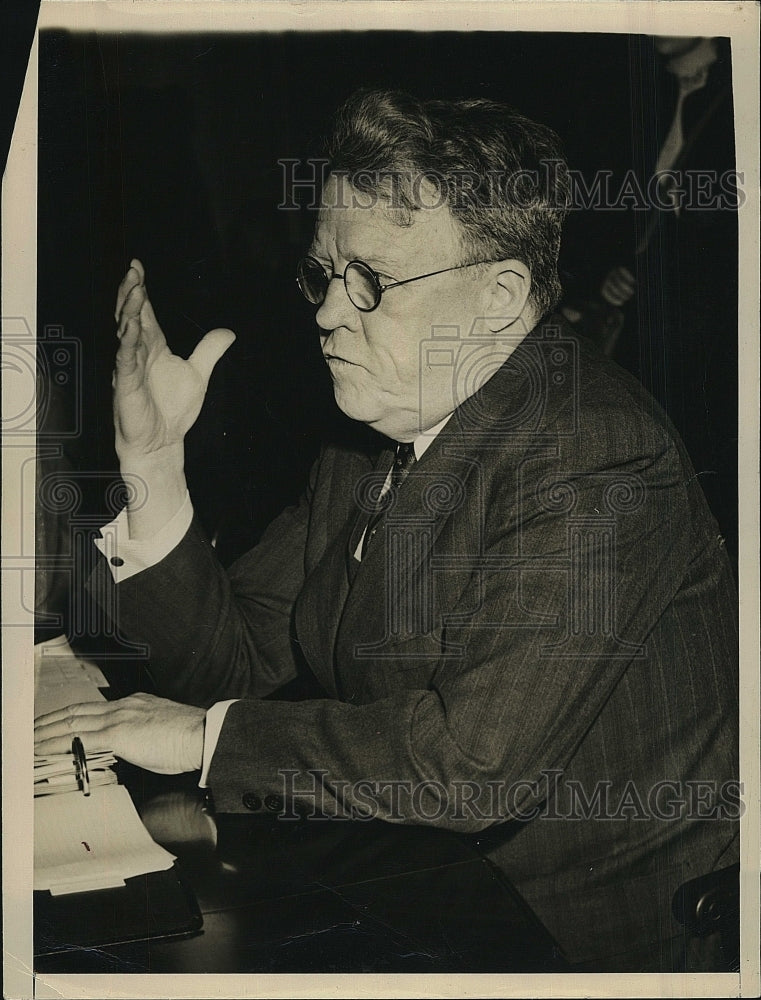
x=154, y=733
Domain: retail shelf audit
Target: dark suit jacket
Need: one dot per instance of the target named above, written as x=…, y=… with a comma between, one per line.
x=547, y=629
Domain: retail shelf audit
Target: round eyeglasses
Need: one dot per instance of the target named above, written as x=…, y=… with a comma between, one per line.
x=362, y=284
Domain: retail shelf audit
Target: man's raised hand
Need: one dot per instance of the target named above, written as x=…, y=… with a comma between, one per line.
x=157, y=395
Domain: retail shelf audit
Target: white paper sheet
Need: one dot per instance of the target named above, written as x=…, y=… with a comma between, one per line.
x=88, y=842
x=60, y=679
x=82, y=841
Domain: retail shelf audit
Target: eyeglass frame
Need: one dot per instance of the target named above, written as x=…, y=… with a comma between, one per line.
x=376, y=278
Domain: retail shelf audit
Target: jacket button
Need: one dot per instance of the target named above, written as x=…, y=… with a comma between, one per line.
x=251, y=801
x=274, y=803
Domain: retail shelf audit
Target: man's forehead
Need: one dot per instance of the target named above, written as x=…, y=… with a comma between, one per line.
x=365, y=223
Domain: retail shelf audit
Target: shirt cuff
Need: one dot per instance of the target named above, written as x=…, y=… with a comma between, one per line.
x=215, y=717
x=127, y=556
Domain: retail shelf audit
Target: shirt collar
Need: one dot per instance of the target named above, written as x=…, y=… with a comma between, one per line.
x=424, y=441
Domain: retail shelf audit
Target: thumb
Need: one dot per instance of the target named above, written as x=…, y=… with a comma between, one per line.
x=210, y=350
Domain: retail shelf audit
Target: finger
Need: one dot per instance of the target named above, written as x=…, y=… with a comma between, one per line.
x=138, y=305
x=135, y=276
x=623, y=294
x=610, y=295
x=128, y=282
x=71, y=724
x=81, y=708
x=210, y=350
x=126, y=361
x=138, y=266
x=65, y=729
x=130, y=334
x=138, y=330
x=148, y=318
x=624, y=287
x=95, y=732
x=92, y=742
x=132, y=307
x=90, y=714
x=623, y=278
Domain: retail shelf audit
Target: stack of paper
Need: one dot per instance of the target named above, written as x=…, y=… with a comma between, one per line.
x=82, y=841
x=60, y=679
x=91, y=842
x=57, y=772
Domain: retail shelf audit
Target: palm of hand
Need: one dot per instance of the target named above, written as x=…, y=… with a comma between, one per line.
x=158, y=406
x=157, y=395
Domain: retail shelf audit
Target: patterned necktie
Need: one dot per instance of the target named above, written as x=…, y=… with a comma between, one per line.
x=403, y=462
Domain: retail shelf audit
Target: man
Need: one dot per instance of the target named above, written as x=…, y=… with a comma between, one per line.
x=524, y=624
x=671, y=292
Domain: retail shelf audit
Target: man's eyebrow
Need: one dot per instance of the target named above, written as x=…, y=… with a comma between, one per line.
x=379, y=262
x=316, y=249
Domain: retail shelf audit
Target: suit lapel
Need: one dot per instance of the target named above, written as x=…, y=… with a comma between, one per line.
x=391, y=589
x=390, y=569
x=344, y=604
x=335, y=516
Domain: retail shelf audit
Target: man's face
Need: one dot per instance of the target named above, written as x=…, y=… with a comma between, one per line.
x=377, y=359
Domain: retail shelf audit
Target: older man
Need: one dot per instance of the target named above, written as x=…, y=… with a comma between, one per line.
x=516, y=606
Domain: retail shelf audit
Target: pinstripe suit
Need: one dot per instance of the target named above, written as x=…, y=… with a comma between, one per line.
x=547, y=633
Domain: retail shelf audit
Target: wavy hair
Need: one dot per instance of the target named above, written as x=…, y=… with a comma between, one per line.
x=502, y=176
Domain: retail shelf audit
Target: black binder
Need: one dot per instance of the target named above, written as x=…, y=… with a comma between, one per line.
x=156, y=905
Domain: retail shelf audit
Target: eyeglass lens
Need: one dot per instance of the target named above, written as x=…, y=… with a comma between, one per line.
x=312, y=280
x=361, y=284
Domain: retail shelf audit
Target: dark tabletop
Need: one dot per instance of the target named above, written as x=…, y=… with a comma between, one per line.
x=253, y=893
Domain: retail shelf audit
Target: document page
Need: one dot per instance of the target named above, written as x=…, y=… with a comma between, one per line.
x=91, y=842
x=82, y=841
x=60, y=679
x=58, y=772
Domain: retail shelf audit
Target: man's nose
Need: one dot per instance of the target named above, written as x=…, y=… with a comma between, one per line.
x=337, y=308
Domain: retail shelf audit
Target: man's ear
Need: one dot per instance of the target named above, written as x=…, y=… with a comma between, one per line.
x=507, y=294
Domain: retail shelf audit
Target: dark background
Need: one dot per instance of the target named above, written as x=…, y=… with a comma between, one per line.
x=165, y=147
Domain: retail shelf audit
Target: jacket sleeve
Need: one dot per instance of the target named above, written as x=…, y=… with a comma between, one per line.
x=213, y=633
x=534, y=673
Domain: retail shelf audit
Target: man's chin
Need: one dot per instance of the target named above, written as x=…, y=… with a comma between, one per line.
x=355, y=407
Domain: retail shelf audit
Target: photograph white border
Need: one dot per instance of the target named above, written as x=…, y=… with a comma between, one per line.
x=738, y=21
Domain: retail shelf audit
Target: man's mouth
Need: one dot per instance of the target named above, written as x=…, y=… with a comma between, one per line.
x=337, y=360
